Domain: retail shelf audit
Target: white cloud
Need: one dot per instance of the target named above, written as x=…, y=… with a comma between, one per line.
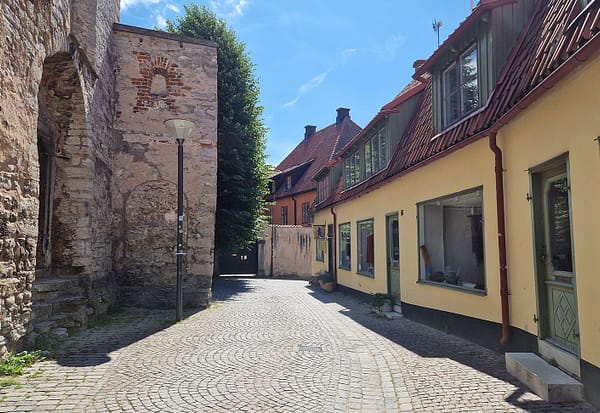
x=390, y=47
x=307, y=87
x=172, y=7
x=131, y=3
x=229, y=8
x=161, y=22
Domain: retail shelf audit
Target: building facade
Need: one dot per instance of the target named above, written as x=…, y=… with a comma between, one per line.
x=482, y=221
x=88, y=172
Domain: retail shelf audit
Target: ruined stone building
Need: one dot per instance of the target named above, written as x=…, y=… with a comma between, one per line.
x=88, y=174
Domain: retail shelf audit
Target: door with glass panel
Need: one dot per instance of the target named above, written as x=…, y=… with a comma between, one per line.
x=393, y=256
x=557, y=297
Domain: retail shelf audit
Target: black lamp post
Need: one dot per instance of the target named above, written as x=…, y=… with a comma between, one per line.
x=180, y=129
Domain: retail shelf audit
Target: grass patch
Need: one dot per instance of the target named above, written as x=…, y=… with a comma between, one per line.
x=7, y=383
x=14, y=364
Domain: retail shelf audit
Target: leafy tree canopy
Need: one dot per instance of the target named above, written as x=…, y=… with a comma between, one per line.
x=242, y=175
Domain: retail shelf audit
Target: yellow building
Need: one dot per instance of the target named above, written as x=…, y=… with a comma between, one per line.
x=479, y=210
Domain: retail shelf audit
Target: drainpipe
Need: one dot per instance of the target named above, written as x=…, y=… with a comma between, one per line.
x=294, y=199
x=501, y=238
x=272, y=247
x=334, y=244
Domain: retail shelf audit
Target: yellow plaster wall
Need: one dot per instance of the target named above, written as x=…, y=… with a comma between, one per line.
x=565, y=119
x=466, y=168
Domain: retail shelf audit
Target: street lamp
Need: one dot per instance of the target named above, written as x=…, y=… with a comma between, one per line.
x=180, y=129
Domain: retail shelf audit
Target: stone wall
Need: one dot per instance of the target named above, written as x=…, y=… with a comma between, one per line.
x=159, y=77
x=50, y=81
x=79, y=200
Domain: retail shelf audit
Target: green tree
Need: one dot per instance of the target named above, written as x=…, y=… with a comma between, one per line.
x=242, y=177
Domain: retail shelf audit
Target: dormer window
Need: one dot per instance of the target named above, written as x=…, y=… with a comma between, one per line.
x=288, y=183
x=460, y=86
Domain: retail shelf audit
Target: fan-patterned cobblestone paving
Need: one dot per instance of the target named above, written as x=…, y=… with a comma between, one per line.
x=271, y=346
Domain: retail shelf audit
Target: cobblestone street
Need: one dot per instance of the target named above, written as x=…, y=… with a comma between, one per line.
x=270, y=345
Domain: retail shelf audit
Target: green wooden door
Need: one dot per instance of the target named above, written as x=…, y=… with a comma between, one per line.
x=556, y=275
x=393, y=256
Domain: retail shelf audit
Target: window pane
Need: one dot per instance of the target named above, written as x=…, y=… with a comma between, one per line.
x=347, y=172
x=375, y=152
x=368, y=163
x=469, y=86
x=451, y=236
x=395, y=252
x=450, y=91
x=305, y=207
x=366, y=252
x=560, y=227
x=356, y=167
x=345, y=257
x=382, y=153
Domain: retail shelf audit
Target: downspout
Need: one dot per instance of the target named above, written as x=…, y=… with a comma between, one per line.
x=334, y=243
x=272, y=247
x=294, y=199
x=501, y=238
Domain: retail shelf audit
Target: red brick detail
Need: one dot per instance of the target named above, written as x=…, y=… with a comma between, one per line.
x=150, y=67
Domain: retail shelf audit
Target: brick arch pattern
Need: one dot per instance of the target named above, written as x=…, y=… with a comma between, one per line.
x=150, y=66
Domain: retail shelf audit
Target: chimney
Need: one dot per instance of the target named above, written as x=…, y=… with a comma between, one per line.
x=309, y=131
x=342, y=113
x=418, y=63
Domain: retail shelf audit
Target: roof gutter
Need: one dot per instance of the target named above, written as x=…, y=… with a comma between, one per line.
x=500, y=213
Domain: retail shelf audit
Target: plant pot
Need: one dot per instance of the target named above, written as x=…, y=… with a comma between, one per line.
x=328, y=286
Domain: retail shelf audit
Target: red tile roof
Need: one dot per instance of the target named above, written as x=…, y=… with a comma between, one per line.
x=558, y=37
x=321, y=147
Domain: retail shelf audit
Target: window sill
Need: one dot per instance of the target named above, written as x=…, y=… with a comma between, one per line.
x=460, y=288
x=365, y=274
x=344, y=268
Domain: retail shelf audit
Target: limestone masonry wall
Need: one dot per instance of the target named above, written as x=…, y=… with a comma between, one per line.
x=159, y=77
x=83, y=204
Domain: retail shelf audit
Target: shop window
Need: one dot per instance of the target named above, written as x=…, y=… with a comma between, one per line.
x=345, y=255
x=451, y=240
x=366, y=250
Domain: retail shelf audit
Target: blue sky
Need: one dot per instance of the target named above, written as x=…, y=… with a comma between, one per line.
x=313, y=56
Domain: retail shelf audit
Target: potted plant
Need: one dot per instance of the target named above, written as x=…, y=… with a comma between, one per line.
x=326, y=281
x=381, y=302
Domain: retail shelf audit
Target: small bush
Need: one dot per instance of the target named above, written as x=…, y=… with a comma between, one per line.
x=13, y=364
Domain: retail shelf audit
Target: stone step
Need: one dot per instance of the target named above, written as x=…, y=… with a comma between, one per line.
x=44, y=327
x=548, y=382
x=45, y=285
x=67, y=303
x=41, y=311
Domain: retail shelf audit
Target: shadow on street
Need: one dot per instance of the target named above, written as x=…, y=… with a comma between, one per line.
x=431, y=343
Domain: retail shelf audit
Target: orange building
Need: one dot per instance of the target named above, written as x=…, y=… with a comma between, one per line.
x=293, y=190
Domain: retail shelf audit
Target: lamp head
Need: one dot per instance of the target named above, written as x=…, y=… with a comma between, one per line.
x=179, y=128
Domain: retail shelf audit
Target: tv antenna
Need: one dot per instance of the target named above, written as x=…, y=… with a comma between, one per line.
x=436, y=28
